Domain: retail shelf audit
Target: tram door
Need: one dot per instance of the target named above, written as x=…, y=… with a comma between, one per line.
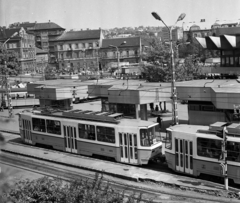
x=183, y=155
x=70, y=138
x=26, y=130
x=128, y=146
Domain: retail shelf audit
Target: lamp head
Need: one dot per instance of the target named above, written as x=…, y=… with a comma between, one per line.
x=156, y=16
x=181, y=17
x=14, y=34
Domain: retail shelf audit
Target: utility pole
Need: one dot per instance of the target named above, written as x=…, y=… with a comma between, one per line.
x=224, y=158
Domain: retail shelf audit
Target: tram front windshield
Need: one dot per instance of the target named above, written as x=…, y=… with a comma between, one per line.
x=148, y=136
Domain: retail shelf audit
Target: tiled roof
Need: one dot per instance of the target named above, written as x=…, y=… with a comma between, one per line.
x=6, y=33
x=80, y=35
x=47, y=26
x=130, y=41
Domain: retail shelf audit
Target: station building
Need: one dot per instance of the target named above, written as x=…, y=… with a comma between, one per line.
x=129, y=97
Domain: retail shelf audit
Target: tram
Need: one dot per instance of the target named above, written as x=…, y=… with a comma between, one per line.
x=130, y=141
x=196, y=150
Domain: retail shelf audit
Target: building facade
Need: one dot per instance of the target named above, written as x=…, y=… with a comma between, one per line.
x=23, y=44
x=78, y=51
x=44, y=33
x=129, y=48
x=41, y=60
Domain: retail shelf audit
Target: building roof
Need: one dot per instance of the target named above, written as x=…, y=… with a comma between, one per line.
x=6, y=33
x=79, y=35
x=47, y=26
x=130, y=41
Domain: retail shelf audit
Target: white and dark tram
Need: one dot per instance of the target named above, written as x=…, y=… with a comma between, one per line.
x=91, y=133
x=197, y=150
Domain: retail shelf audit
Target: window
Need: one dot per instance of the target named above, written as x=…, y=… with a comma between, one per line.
x=168, y=141
x=233, y=151
x=105, y=134
x=54, y=127
x=147, y=136
x=209, y=148
x=39, y=124
x=86, y=131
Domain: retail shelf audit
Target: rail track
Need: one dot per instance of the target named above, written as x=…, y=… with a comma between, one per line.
x=69, y=174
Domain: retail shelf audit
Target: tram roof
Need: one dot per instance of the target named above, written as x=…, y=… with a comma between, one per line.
x=97, y=116
x=189, y=128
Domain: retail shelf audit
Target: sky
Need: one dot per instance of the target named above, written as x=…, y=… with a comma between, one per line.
x=106, y=14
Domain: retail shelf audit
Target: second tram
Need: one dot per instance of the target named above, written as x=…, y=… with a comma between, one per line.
x=197, y=150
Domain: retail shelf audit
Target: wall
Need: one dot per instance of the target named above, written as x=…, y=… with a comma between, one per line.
x=204, y=117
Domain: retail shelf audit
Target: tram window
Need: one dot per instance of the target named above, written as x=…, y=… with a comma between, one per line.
x=191, y=162
x=144, y=137
x=209, y=148
x=190, y=143
x=168, y=141
x=181, y=146
x=233, y=151
x=54, y=127
x=105, y=134
x=39, y=124
x=135, y=140
x=120, y=136
x=86, y=131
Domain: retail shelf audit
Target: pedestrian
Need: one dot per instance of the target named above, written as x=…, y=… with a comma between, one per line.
x=156, y=108
x=2, y=106
x=159, y=120
x=160, y=105
x=152, y=107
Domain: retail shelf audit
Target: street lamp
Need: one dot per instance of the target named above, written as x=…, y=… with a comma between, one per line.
x=174, y=91
x=116, y=47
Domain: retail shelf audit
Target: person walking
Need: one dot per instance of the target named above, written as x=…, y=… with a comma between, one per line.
x=2, y=106
x=159, y=121
x=156, y=108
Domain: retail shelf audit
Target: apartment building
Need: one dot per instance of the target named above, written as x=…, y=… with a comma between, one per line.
x=23, y=44
x=78, y=51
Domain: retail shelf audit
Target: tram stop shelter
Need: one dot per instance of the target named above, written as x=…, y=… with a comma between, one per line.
x=129, y=97
x=210, y=101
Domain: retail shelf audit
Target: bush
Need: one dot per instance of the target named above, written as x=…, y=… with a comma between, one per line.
x=56, y=190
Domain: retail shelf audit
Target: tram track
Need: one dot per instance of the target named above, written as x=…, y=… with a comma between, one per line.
x=58, y=173
x=128, y=187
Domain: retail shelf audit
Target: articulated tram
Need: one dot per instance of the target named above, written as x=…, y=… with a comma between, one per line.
x=91, y=133
x=197, y=150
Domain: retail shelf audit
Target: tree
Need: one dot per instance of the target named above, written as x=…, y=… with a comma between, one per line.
x=50, y=72
x=9, y=62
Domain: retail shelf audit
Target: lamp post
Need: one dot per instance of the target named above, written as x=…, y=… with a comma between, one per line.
x=116, y=47
x=7, y=84
x=173, y=86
